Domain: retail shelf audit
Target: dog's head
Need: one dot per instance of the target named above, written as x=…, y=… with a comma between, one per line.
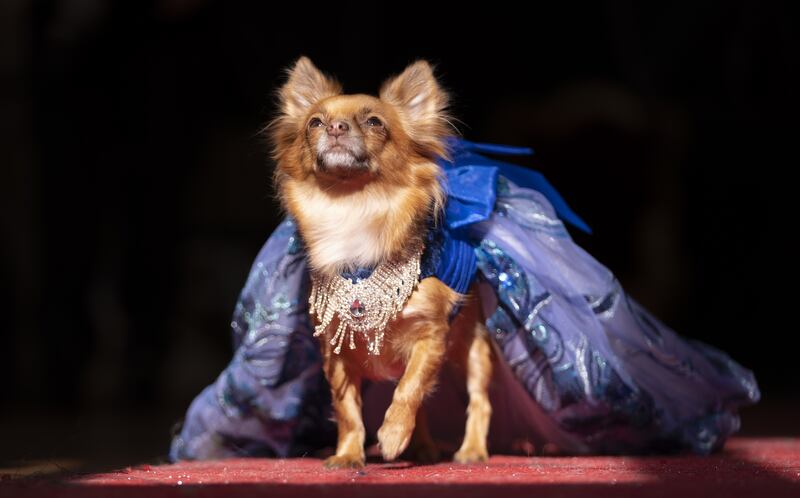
x=348, y=141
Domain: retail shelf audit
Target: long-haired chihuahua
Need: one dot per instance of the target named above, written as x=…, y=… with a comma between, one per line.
x=358, y=174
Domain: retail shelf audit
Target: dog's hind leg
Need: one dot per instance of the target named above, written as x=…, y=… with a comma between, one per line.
x=478, y=368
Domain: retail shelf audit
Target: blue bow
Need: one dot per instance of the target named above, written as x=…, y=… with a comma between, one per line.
x=472, y=180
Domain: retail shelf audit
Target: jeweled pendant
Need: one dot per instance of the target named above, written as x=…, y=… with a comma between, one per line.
x=357, y=310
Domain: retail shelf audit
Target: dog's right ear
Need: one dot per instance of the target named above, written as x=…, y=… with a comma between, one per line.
x=306, y=86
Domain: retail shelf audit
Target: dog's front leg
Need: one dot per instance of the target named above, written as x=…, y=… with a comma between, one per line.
x=346, y=394
x=420, y=375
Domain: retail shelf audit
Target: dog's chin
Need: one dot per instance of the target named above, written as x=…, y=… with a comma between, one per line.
x=342, y=164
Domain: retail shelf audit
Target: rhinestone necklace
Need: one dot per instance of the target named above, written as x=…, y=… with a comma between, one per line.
x=365, y=306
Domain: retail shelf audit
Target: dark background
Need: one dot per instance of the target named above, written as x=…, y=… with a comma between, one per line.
x=136, y=188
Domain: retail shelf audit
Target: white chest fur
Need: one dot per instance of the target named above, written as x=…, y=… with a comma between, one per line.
x=346, y=231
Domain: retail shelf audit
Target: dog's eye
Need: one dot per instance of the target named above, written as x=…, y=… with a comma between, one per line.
x=373, y=121
x=315, y=123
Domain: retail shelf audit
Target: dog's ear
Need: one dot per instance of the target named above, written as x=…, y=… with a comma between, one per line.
x=306, y=86
x=422, y=104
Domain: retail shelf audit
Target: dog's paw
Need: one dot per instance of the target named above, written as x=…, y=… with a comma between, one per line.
x=393, y=438
x=395, y=433
x=344, y=462
x=471, y=455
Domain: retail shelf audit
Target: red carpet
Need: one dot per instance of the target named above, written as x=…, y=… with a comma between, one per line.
x=766, y=468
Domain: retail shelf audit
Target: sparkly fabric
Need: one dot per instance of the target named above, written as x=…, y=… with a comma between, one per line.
x=581, y=364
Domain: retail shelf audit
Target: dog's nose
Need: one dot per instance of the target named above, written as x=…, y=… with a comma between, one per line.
x=338, y=128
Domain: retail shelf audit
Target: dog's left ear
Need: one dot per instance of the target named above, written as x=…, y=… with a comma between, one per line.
x=306, y=86
x=423, y=106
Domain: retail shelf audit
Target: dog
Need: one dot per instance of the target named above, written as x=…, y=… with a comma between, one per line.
x=358, y=174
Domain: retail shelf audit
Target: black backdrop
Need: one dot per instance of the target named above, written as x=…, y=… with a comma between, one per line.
x=136, y=189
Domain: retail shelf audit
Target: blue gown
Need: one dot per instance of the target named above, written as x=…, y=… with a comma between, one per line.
x=582, y=366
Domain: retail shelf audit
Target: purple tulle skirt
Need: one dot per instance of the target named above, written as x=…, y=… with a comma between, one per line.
x=581, y=366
